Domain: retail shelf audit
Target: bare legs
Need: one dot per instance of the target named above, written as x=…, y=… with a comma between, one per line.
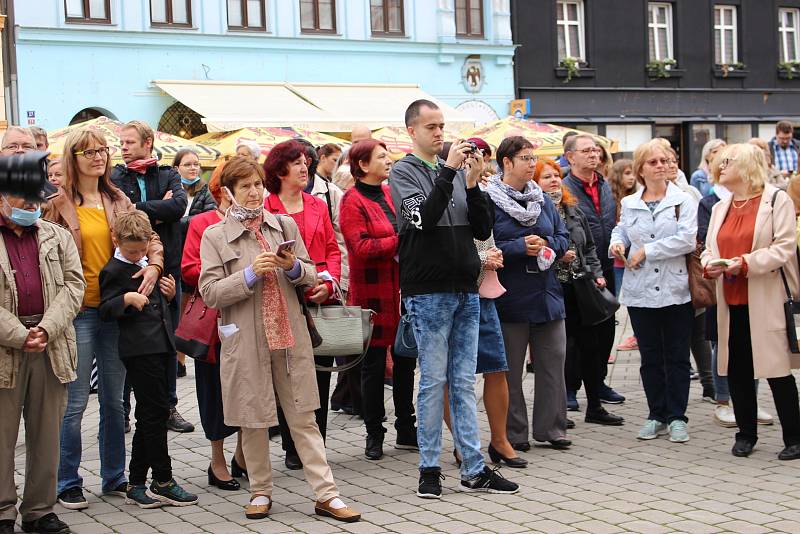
x=218, y=463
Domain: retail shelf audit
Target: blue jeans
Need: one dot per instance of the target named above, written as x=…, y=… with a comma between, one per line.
x=619, y=272
x=95, y=338
x=446, y=329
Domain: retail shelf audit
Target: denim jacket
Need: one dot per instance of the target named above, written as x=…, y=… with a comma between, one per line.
x=662, y=279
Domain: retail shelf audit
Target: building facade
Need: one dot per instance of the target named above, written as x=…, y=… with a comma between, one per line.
x=76, y=59
x=686, y=70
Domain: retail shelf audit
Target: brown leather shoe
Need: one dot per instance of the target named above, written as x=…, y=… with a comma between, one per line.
x=257, y=511
x=346, y=514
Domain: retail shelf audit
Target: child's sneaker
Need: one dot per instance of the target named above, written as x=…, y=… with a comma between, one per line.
x=138, y=495
x=171, y=493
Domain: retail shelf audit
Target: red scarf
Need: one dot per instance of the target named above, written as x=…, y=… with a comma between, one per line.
x=274, y=310
x=141, y=165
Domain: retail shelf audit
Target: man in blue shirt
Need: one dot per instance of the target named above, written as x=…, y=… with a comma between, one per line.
x=784, y=148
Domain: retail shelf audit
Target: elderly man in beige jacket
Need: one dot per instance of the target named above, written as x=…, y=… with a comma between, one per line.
x=41, y=289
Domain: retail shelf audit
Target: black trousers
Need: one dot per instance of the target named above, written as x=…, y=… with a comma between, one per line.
x=320, y=414
x=587, y=354
x=701, y=350
x=743, y=391
x=147, y=375
x=607, y=331
x=373, y=368
x=347, y=392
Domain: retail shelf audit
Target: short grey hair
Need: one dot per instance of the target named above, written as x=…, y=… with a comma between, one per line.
x=569, y=146
x=253, y=147
x=18, y=129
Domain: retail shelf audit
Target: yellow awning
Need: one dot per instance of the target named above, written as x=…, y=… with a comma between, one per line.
x=227, y=106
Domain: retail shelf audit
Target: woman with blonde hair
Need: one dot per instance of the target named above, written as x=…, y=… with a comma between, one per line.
x=699, y=178
x=774, y=176
x=88, y=204
x=658, y=226
x=754, y=232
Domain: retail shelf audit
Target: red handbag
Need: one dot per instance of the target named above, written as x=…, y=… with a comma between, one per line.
x=196, y=335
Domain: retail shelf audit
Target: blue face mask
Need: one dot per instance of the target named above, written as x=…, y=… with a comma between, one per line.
x=186, y=182
x=24, y=217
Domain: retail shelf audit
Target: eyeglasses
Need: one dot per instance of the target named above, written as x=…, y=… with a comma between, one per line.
x=92, y=152
x=528, y=159
x=590, y=151
x=14, y=147
x=726, y=162
x=190, y=165
x=656, y=161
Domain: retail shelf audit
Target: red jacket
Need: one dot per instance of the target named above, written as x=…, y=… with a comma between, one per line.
x=374, y=273
x=317, y=232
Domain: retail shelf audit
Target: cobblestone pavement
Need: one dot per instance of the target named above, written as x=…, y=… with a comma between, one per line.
x=607, y=482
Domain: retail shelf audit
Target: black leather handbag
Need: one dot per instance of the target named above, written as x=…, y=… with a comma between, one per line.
x=596, y=304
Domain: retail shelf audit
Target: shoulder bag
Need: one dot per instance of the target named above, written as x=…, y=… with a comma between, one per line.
x=405, y=344
x=197, y=330
x=703, y=290
x=790, y=307
x=596, y=304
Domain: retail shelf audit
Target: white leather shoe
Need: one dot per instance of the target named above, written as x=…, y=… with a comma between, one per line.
x=764, y=418
x=723, y=415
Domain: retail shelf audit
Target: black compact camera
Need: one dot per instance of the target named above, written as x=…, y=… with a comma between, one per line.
x=24, y=175
x=473, y=148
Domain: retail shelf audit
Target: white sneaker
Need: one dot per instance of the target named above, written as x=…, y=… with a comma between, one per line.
x=764, y=418
x=723, y=415
x=652, y=429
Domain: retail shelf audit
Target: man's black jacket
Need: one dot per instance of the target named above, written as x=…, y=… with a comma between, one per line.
x=165, y=215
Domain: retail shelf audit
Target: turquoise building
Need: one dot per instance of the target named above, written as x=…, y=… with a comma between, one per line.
x=72, y=60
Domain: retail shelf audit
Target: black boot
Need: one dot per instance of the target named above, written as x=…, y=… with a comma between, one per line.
x=374, y=447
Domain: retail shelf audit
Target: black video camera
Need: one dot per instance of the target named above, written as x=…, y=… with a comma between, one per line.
x=24, y=175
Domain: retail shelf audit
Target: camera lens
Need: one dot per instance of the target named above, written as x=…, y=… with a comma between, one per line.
x=24, y=175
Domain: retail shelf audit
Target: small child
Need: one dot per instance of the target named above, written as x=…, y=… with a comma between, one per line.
x=145, y=348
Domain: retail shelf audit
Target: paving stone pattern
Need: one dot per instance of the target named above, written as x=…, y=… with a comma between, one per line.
x=608, y=482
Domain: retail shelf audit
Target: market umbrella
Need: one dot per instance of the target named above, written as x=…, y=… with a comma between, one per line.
x=546, y=138
x=166, y=145
x=398, y=142
x=225, y=142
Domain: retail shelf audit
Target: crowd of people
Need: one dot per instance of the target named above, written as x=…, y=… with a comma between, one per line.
x=484, y=261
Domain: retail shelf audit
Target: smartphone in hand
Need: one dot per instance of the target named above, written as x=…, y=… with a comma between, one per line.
x=286, y=246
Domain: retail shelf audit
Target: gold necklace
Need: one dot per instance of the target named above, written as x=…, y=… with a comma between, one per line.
x=741, y=205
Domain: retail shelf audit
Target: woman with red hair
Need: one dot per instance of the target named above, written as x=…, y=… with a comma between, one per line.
x=369, y=224
x=286, y=177
x=585, y=359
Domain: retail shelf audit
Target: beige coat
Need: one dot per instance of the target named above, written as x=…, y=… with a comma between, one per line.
x=774, y=245
x=63, y=285
x=248, y=396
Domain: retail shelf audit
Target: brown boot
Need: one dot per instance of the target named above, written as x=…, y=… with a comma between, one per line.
x=346, y=514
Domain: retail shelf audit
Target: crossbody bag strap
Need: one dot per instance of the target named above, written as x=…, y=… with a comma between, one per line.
x=797, y=252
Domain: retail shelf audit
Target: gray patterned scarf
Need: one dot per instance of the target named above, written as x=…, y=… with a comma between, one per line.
x=507, y=199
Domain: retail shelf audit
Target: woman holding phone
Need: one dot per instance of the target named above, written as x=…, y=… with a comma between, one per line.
x=286, y=177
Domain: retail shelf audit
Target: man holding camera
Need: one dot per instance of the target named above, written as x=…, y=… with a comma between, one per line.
x=17, y=141
x=156, y=190
x=41, y=290
x=443, y=210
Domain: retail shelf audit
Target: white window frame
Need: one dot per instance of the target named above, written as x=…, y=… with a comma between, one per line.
x=786, y=32
x=654, y=27
x=722, y=28
x=580, y=23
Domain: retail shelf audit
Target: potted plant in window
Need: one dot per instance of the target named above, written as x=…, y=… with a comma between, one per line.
x=726, y=69
x=789, y=70
x=572, y=65
x=661, y=68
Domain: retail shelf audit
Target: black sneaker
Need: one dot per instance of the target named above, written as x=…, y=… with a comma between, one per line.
x=181, y=370
x=489, y=481
x=47, y=524
x=73, y=499
x=171, y=493
x=138, y=495
x=119, y=491
x=177, y=423
x=430, y=483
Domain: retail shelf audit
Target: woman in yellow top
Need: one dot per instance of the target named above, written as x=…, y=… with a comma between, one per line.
x=88, y=204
